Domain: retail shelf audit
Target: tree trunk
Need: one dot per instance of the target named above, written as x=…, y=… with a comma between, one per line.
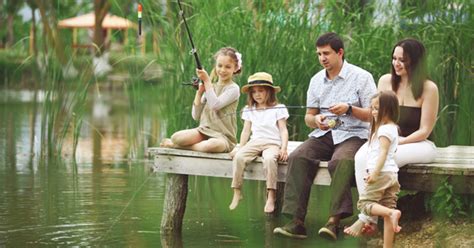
x=101, y=7
x=52, y=37
x=10, y=34
x=33, y=49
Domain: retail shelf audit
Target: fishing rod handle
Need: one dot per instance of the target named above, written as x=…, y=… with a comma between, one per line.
x=198, y=63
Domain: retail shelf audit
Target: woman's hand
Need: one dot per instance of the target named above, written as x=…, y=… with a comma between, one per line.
x=283, y=155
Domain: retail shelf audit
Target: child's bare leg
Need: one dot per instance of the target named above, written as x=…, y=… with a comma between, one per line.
x=183, y=139
x=188, y=137
x=394, y=218
x=355, y=230
x=393, y=214
x=388, y=234
x=209, y=145
x=235, y=199
x=270, y=204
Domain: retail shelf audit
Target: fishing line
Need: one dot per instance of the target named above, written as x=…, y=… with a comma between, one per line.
x=126, y=206
x=338, y=123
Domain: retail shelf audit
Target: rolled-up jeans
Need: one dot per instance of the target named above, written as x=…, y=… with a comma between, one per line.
x=419, y=152
x=254, y=148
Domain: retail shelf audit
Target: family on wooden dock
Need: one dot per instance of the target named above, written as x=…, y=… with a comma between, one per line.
x=365, y=131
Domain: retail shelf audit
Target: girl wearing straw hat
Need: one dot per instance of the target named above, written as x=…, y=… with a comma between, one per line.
x=265, y=120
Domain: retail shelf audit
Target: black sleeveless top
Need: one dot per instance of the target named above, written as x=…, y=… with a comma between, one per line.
x=409, y=120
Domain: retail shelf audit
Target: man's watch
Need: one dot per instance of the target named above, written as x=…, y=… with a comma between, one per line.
x=349, y=110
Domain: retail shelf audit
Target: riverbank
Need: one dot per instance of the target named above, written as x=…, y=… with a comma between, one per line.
x=431, y=232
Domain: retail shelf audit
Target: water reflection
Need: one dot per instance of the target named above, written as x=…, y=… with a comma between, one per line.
x=106, y=198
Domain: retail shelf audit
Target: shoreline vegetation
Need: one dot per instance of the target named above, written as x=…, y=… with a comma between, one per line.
x=273, y=36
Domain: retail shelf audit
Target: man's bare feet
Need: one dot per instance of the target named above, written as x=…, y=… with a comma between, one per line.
x=394, y=218
x=167, y=143
x=235, y=199
x=355, y=230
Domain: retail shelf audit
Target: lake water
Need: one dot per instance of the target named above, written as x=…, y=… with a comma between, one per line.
x=109, y=198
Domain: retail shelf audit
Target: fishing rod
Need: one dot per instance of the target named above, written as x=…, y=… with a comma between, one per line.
x=195, y=81
x=333, y=120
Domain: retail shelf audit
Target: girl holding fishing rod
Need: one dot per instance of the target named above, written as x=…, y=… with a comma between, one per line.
x=265, y=119
x=214, y=106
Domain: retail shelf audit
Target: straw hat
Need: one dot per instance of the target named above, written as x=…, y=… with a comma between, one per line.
x=260, y=79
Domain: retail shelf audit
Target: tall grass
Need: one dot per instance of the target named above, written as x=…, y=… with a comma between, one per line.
x=273, y=36
x=278, y=37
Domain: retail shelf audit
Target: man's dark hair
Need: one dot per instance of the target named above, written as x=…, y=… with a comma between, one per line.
x=331, y=39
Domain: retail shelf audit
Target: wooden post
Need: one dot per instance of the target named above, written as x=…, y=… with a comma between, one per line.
x=174, y=204
x=279, y=198
x=74, y=41
x=171, y=240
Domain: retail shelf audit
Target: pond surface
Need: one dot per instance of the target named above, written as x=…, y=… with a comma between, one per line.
x=107, y=199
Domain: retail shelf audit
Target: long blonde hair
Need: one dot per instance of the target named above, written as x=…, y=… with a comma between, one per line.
x=388, y=109
x=226, y=51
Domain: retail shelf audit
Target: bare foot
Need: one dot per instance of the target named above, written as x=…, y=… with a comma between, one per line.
x=235, y=201
x=167, y=143
x=369, y=229
x=394, y=217
x=356, y=229
x=269, y=206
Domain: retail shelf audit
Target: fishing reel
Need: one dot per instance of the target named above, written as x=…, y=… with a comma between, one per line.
x=334, y=122
x=195, y=82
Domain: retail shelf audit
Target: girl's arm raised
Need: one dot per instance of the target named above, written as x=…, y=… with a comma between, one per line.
x=197, y=104
x=283, y=155
x=228, y=96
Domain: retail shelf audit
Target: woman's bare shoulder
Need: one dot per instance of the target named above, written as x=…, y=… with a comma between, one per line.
x=430, y=89
x=430, y=86
x=385, y=82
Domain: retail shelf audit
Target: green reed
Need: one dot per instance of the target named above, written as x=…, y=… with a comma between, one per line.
x=273, y=36
x=279, y=38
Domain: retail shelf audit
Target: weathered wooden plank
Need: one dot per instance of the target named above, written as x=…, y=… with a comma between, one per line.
x=453, y=161
x=431, y=182
x=452, y=164
x=223, y=168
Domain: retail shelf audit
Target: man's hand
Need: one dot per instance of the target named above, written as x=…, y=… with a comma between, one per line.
x=319, y=119
x=339, y=108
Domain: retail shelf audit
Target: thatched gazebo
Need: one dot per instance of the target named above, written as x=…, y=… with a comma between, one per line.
x=88, y=21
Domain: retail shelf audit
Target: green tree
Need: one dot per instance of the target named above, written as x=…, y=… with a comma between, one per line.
x=11, y=7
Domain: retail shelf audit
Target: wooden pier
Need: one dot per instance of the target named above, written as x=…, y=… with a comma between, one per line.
x=454, y=163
